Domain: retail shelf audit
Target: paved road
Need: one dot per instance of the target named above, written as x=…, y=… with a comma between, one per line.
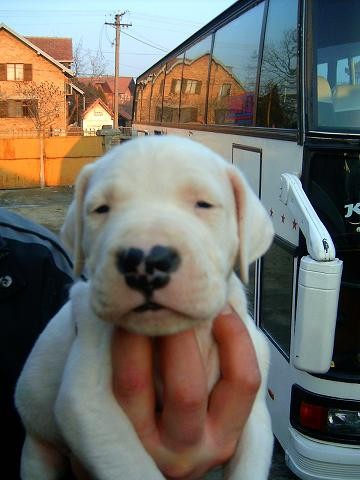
x=278, y=471
x=48, y=207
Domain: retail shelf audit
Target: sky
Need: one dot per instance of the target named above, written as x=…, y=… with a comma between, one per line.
x=158, y=26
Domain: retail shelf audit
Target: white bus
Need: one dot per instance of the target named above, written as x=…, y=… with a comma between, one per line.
x=274, y=87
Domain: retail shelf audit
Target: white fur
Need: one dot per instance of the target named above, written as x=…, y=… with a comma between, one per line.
x=152, y=187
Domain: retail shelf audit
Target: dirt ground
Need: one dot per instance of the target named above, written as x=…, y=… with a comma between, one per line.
x=48, y=207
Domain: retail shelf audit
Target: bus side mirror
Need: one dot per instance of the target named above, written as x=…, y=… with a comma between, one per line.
x=316, y=313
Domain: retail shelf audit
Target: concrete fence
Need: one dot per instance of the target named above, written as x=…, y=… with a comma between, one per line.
x=63, y=157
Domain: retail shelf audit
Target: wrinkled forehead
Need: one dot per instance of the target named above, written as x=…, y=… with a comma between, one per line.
x=160, y=167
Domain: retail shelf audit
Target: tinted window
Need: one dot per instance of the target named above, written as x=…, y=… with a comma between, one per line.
x=157, y=94
x=334, y=67
x=277, y=101
x=234, y=68
x=172, y=90
x=334, y=190
x=143, y=95
x=194, y=82
x=276, y=297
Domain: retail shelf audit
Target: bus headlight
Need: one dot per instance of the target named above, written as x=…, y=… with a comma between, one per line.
x=343, y=421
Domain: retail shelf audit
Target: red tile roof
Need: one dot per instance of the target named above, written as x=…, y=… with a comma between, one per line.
x=123, y=113
x=58, y=48
x=123, y=83
x=96, y=102
x=108, y=83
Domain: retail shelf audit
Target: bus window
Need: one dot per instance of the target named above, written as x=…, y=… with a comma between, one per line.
x=342, y=72
x=277, y=100
x=142, y=108
x=172, y=89
x=157, y=94
x=322, y=70
x=276, y=297
x=233, y=70
x=334, y=103
x=194, y=82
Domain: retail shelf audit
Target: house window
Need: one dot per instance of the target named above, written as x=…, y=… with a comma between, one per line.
x=225, y=90
x=15, y=108
x=29, y=107
x=3, y=109
x=191, y=86
x=175, y=85
x=68, y=89
x=16, y=72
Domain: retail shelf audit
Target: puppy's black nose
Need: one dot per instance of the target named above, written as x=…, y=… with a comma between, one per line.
x=163, y=259
x=147, y=273
x=129, y=260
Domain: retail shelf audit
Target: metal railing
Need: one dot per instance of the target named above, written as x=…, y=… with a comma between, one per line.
x=71, y=131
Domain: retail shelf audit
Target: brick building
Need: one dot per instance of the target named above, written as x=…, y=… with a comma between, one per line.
x=177, y=92
x=106, y=85
x=25, y=60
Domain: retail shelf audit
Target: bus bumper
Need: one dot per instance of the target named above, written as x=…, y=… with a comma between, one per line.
x=312, y=459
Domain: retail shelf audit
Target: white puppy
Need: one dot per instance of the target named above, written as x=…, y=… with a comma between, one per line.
x=158, y=224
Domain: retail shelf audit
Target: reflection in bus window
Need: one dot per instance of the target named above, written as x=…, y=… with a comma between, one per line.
x=334, y=190
x=276, y=286
x=142, y=108
x=277, y=101
x=194, y=82
x=158, y=78
x=233, y=70
x=335, y=102
x=172, y=89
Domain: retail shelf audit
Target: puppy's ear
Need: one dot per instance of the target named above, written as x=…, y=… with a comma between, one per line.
x=255, y=228
x=72, y=231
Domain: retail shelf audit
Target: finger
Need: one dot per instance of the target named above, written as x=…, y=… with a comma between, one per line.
x=133, y=379
x=240, y=377
x=185, y=390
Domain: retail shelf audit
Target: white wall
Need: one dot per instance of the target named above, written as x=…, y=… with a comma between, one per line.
x=96, y=117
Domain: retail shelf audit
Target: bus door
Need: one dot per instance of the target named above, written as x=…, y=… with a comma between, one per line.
x=334, y=189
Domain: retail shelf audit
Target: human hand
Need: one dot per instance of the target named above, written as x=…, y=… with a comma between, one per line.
x=194, y=431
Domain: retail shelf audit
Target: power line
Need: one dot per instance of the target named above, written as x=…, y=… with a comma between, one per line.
x=165, y=20
x=146, y=43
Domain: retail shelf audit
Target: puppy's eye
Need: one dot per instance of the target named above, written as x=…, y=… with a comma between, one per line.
x=203, y=204
x=102, y=209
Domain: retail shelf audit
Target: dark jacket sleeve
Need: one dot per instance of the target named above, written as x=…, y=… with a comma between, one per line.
x=35, y=277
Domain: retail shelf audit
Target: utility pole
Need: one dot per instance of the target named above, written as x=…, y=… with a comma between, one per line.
x=117, y=24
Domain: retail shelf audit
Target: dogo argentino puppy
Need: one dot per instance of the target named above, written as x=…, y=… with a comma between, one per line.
x=158, y=225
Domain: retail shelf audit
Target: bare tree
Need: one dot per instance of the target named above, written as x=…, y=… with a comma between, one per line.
x=280, y=60
x=79, y=62
x=43, y=103
x=97, y=64
x=277, y=103
x=87, y=63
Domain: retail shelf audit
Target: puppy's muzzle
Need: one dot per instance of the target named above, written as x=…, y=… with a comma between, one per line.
x=148, y=272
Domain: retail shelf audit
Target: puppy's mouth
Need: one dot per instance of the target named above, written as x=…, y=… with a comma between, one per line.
x=148, y=306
